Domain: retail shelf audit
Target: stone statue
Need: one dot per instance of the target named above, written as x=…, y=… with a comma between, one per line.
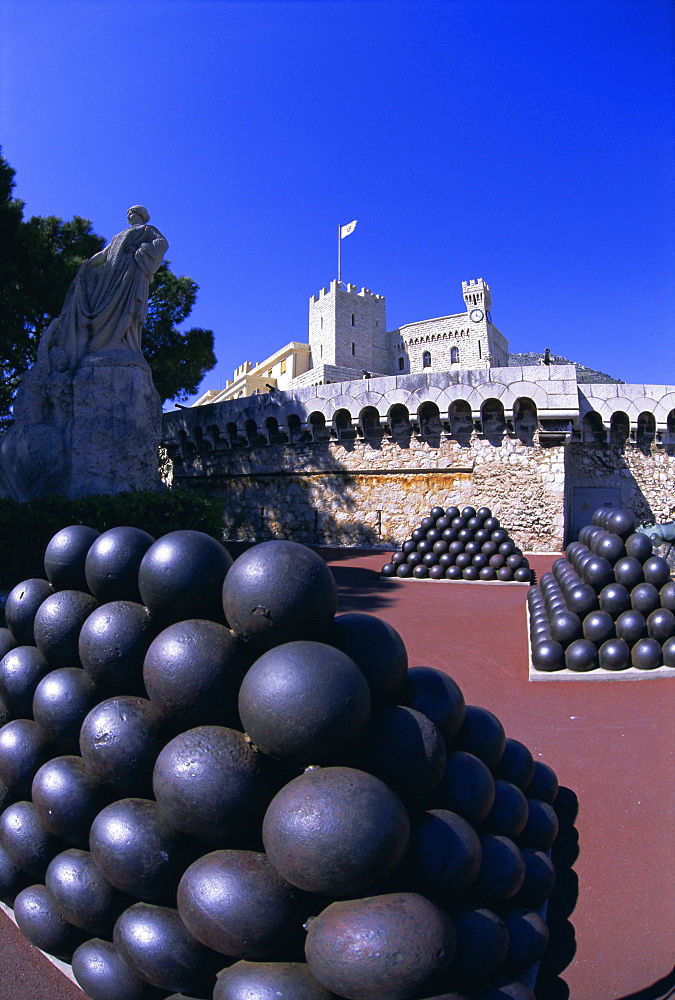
x=107, y=302
x=87, y=416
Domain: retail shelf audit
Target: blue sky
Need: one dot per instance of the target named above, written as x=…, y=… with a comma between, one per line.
x=527, y=142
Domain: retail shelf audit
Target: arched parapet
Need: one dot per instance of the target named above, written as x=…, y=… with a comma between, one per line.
x=465, y=393
x=329, y=407
x=527, y=390
x=664, y=407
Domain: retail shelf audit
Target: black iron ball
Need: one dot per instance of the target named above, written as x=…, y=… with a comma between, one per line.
x=39, y=920
x=61, y=701
x=21, y=606
x=598, y=573
x=192, y=672
x=21, y=670
x=268, y=981
x=621, y=522
x=581, y=599
x=667, y=595
x=598, y=626
x=668, y=652
x=119, y=742
x=389, y=569
x=65, y=557
x=466, y=788
x=628, y=572
x=67, y=798
x=646, y=654
x=12, y=881
x=581, y=655
x=23, y=749
x=437, y=572
x=181, y=576
x=57, y=626
x=104, y=975
x=488, y=573
x=544, y=784
x=444, y=855
x=27, y=844
x=112, y=564
x=548, y=654
x=502, y=870
x=540, y=878
x=404, y=570
x=631, y=626
x=614, y=599
x=400, y=556
x=516, y=764
x=405, y=750
x=482, y=942
x=414, y=559
x=656, y=570
x=610, y=547
x=82, y=895
x=277, y=592
x=565, y=627
x=661, y=624
x=614, y=655
x=644, y=597
x=528, y=939
x=639, y=546
x=112, y=646
x=437, y=696
x=453, y=573
x=482, y=734
x=420, y=572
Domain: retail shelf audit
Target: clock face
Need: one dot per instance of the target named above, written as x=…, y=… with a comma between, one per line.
x=476, y=315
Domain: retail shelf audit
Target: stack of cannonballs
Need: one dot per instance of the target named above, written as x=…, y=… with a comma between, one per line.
x=454, y=544
x=214, y=786
x=610, y=604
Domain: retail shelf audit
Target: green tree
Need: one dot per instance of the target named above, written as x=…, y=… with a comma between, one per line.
x=39, y=258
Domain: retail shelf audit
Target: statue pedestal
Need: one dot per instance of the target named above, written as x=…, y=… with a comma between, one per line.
x=95, y=430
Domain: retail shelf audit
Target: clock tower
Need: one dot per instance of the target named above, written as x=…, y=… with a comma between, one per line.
x=488, y=347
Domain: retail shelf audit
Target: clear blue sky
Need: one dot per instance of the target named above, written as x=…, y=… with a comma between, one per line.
x=527, y=142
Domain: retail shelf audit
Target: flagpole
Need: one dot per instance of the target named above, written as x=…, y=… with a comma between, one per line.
x=339, y=240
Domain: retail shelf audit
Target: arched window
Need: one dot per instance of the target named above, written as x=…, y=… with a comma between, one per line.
x=430, y=423
x=454, y=355
x=525, y=419
x=592, y=428
x=401, y=364
x=399, y=421
x=619, y=429
x=461, y=421
x=317, y=423
x=646, y=430
x=426, y=359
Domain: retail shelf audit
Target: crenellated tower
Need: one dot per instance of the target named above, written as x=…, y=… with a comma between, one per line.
x=347, y=328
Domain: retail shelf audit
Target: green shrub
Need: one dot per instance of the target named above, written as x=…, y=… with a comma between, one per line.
x=26, y=528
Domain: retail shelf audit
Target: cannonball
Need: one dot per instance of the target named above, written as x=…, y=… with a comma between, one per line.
x=631, y=626
x=335, y=831
x=505, y=574
x=112, y=564
x=375, y=647
x=470, y=573
x=516, y=764
x=21, y=606
x=269, y=981
x=482, y=734
x=581, y=599
x=237, y=904
x=305, y=702
x=21, y=670
x=27, y=844
x=440, y=547
x=509, y=990
x=136, y=849
x=444, y=855
x=509, y=810
x=23, y=749
x=656, y=571
x=389, y=569
x=628, y=572
x=453, y=573
x=67, y=798
x=463, y=559
x=598, y=572
x=646, y=654
x=437, y=696
x=12, y=881
x=528, y=939
x=192, y=672
x=403, y=571
x=667, y=595
x=39, y=920
x=598, y=626
x=544, y=784
x=449, y=535
x=399, y=557
x=437, y=572
x=614, y=654
x=381, y=947
x=565, y=627
x=414, y=559
x=181, y=576
x=645, y=598
x=610, y=547
x=119, y=742
x=420, y=572
x=502, y=870
x=418, y=535
x=523, y=574
x=57, y=626
x=278, y=592
x=614, y=599
x=548, y=654
x=406, y=750
x=61, y=701
x=425, y=546
x=581, y=655
x=409, y=545
x=82, y=895
x=668, y=652
x=482, y=943
x=7, y=642
x=112, y=645
x=428, y=522
x=155, y=943
x=639, y=546
x=541, y=828
x=466, y=788
x=430, y=560
x=104, y=975
x=621, y=522
x=498, y=534
x=210, y=782
x=65, y=557
x=487, y=573
x=540, y=878
x=452, y=512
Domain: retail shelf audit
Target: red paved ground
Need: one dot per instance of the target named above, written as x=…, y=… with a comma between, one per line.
x=611, y=745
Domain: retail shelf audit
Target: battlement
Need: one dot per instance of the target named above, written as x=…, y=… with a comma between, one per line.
x=476, y=292
x=348, y=289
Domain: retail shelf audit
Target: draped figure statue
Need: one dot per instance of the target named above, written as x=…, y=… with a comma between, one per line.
x=107, y=303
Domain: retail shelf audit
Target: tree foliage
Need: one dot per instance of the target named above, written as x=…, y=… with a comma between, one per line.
x=39, y=258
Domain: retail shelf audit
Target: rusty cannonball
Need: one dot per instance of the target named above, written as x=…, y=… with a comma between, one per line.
x=136, y=849
x=57, y=626
x=21, y=606
x=67, y=798
x=119, y=742
x=269, y=981
x=65, y=557
x=181, y=576
x=210, y=782
x=336, y=831
x=376, y=648
x=39, y=920
x=305, y=702
x=21, y=670
x=438, y=696
x=28, y=845
x=112, y=646
x=112, y=564
x=406, y=750
x=155, y=943
x=277, y=592
x=104, y=975
x=192, y=672
x=237, y=904
x=61, y=701
x=380, y=948
x=82, y=895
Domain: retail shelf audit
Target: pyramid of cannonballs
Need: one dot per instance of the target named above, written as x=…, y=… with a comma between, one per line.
x=214, y=786
x=610, y=603
x=454, y=544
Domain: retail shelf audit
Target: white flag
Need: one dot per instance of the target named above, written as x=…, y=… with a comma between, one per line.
x=346, y=230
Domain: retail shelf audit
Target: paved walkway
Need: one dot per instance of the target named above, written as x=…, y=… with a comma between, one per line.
x=611, y=745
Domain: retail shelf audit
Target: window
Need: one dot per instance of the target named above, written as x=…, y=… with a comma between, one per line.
x=426, y=360
x=282, y=367
x=353, y=322
x=401, y=364
x=353, y=348
x=322, y=322
x=454, y=355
